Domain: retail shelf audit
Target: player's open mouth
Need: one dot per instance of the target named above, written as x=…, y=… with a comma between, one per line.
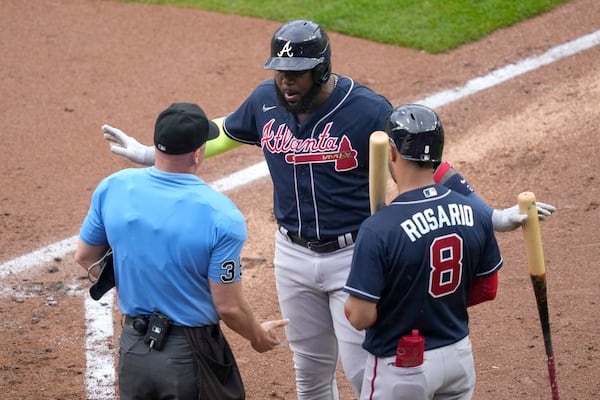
x=291, y=96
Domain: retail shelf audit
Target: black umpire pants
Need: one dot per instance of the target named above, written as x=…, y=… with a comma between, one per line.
x=146, y=374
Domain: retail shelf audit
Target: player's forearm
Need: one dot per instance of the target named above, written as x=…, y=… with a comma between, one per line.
x=222, y=143
x=483, y=289
x=360, y=313
x=358, y=322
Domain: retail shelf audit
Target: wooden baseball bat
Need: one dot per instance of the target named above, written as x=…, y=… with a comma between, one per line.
x=378, y=169
x=537, y=270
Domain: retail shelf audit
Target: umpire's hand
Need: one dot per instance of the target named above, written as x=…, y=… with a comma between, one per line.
x=268, y=338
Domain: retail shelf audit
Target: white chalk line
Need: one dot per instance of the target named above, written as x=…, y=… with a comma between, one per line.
x=100, y=374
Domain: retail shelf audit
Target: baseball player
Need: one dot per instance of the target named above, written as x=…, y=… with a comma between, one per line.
x=313, y=127
x=418, y=264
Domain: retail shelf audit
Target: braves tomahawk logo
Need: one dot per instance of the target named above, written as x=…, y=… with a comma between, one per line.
x=322, y=149
x=286, y=50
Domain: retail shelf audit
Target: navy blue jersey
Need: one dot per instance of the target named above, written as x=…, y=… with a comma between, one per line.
x=459, y=184
x=417, y=258
x=327, y=154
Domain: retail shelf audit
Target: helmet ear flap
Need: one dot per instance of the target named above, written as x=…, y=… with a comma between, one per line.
x=321, y=72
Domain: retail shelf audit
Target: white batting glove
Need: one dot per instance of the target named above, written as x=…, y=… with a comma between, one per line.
x=510, y=219
x=128, y=147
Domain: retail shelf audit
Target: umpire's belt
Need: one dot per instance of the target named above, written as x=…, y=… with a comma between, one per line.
x=138, y=324
x=321, y=246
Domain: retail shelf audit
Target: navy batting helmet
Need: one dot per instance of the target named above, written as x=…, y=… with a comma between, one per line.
x=301, y=45
x=417, y=132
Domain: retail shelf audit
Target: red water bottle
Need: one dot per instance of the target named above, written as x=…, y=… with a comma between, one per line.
x=410, y=350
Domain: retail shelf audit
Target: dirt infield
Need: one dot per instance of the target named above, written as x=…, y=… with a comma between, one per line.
x=68, y=66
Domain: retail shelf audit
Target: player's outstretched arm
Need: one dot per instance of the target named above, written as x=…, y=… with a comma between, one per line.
x=126, y=146
x=510, y=219
x=504, y=220
x=222, y=143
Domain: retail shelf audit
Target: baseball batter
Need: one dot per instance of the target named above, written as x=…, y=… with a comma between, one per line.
x=317, y=152
x=415, y=264
x=313, y=127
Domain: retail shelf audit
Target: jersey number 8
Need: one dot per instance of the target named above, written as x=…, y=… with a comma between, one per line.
x=445, y=257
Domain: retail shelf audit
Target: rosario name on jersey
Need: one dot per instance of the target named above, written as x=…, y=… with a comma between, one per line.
x=437, y=217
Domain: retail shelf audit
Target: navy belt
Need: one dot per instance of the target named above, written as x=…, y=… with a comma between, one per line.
x=321, y=246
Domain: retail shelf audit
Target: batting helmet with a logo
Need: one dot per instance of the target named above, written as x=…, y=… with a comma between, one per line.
x=301, y=45
x=417, y=132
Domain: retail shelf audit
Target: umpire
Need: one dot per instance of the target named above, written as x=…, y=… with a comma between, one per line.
x=176, y=247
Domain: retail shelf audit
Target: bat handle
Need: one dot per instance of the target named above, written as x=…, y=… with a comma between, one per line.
x=552, y=374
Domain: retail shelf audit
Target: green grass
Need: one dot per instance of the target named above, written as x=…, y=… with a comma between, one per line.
x=430, y=25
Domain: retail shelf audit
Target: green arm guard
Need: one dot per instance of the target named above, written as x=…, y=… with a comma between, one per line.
x=222, y=143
